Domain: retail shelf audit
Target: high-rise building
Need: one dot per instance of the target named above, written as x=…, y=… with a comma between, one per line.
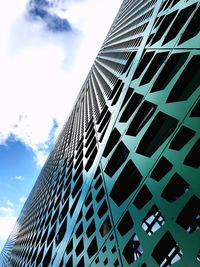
x=121, y=186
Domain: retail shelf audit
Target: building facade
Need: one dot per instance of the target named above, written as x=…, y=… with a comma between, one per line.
x=121, y=186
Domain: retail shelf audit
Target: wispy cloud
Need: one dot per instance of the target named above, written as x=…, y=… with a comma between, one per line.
x=22, y=200
x=6, y=209
x=9, y=203
x=19, y=178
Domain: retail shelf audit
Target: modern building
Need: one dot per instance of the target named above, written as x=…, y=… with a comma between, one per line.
x=121, y=186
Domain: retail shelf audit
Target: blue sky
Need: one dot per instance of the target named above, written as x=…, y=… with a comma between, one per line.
x=46, y=49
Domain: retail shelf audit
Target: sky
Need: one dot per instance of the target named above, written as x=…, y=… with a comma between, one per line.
x=47, y=48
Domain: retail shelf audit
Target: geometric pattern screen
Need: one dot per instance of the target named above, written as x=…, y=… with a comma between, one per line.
x=121, y=186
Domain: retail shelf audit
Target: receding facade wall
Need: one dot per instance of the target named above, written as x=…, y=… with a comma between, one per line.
x=121, y=186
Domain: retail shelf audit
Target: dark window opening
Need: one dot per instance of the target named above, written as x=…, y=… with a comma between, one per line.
x=34, y=256
x=98, y=171
x=192, y=28
x=78, y=160
x=100, y=195
x=153, y=220
x=64, y=210
x=117, y=95
x=44, y=237
x=80, y=247
x=158, y=21
x=90, y=137
x=171, y=67
x=179, y=22
x=196, y=110
x=51, y=235
x=92, y=249
x=90, y=124
x=167, y=252
x=98, y=183
x=160, y=129
x=97, y=260
x=143, y=197
x=79, y=146
x=88, y=200
x=143, y=63
x=116, y=263
x=132, y=105
x=112, y=141
x=142, y=116
x=155, y=64
x=187, y=83
x=133, y=249
x=47, y=258
x=61, y=232
x=75, y=204
x=167, y=5
x=78, y=152
x=114, y=249
x=79, y=230
x=70, y=262
x=128, y=63
x=176, y=187
x=125, y=224
x=127, y=96
x=104, y=121
x=89, y=213
x=104, y=249
x=91, y=229
x=78, y=172
x=164, y=26
x=103, y=209
x=40, y=256
x=115, y=89
x=80, y=263
x=105, y=262
x=126, y=184
x=79, y=216
x=161, y=169
x=77, y=186
x=116, y=161
x=91, y=147
x=189, y=217
x=104, y=131
x=192, y=159
x=69, y=246
x=181, y=138
x=103, y=112
x=174, y=3
x=91, y=159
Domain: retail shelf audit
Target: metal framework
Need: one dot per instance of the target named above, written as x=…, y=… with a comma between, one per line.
x=121, y=186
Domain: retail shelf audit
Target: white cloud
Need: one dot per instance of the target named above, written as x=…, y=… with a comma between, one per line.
x=7, y=224
x=22, y=199
x=5, y=209
x=19, y=178
x=9, y=203
x=42, y=72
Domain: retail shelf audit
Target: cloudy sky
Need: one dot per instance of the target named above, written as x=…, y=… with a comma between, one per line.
x=46, y=50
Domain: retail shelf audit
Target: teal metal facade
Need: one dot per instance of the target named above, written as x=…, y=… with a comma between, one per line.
x=121, y=186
